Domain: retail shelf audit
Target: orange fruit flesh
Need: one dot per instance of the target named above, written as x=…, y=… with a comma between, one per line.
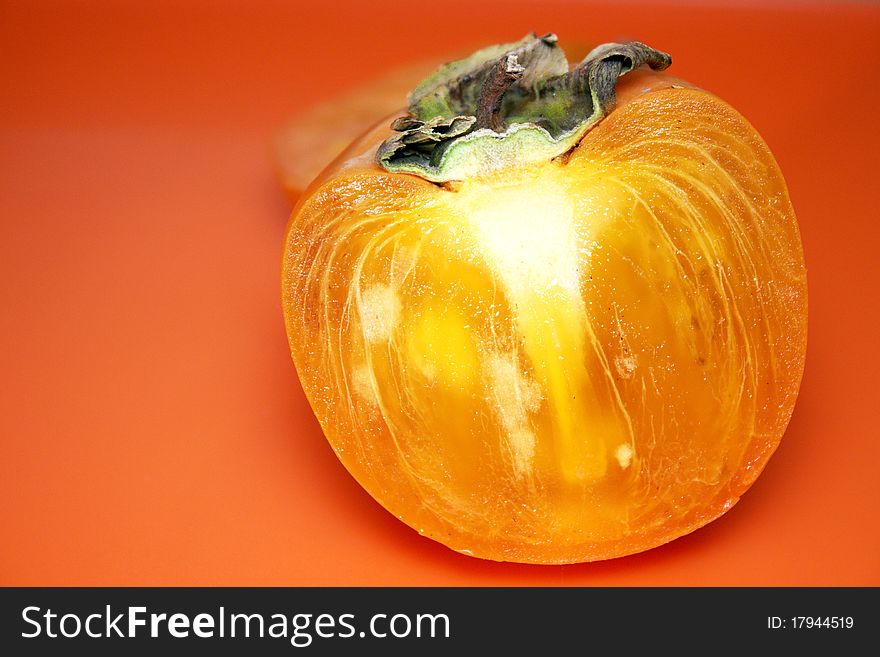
x=567, y=363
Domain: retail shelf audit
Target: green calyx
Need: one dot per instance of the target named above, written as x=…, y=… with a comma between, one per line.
x=510, y=104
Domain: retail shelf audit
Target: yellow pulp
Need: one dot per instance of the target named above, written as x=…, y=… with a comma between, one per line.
x=565, y=363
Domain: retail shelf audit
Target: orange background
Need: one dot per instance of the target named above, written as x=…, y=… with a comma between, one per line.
x=153, y=428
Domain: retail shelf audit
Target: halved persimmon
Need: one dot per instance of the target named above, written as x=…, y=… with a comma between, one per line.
x=551, y=317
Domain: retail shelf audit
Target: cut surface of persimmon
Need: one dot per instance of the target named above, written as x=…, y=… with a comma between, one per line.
x=553, y=314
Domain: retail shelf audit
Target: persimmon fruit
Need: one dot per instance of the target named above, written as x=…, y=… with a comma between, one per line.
x=551, y=313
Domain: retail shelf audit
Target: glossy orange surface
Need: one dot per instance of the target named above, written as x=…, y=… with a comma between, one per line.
x=154, y=431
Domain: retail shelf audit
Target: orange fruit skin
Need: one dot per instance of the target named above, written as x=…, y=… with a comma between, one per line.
x=566, y=363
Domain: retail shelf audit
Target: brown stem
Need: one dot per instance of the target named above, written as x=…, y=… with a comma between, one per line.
x=505, y=72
